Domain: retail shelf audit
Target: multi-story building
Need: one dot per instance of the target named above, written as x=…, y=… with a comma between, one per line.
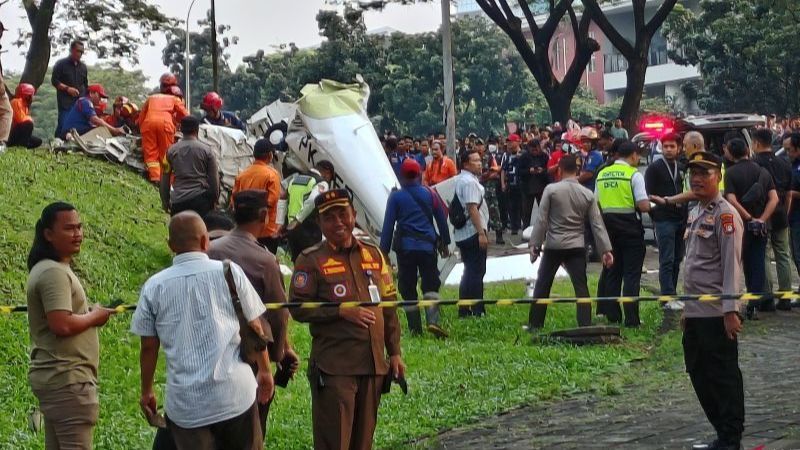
x=605, y=73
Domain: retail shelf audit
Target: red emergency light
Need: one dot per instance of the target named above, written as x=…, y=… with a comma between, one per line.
x=657, y=126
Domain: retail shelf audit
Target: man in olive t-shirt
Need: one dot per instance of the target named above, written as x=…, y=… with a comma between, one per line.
x=65, y=347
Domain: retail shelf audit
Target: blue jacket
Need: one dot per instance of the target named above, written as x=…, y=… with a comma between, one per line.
x=416, y=228
x=226, y=119
x=396, y=160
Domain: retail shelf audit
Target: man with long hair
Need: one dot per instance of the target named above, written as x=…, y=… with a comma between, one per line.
x=65, y=350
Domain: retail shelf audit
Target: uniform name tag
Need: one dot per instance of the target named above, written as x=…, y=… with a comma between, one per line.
x=374, y=294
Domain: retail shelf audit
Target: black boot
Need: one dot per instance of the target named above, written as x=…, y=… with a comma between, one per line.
x=499, y=235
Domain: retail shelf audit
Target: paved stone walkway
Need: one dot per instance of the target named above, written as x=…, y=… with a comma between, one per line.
x=659, y=416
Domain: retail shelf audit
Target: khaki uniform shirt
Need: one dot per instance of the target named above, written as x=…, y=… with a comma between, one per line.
x=262, y=269
x=713, y=257
x=59, y=361
x=327, y=274
x=565, y=208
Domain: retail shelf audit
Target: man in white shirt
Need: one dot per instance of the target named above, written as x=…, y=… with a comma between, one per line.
x=187, y=308
x=471, y=239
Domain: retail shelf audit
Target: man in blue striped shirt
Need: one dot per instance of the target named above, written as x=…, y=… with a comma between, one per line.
x=212, y=395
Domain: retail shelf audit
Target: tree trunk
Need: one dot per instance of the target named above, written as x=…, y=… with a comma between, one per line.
x=38, y=57
x=637, y=69
x=560, y=105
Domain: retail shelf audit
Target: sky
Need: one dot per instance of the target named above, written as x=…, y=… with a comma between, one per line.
x=259, y=24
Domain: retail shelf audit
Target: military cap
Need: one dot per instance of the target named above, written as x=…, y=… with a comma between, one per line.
x=705, y=160
x=331, y=199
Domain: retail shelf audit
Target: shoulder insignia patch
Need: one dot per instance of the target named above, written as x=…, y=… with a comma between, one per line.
x=300, y=280
x=728, y=224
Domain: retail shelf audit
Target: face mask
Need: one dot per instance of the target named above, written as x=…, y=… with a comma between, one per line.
x=492, y=149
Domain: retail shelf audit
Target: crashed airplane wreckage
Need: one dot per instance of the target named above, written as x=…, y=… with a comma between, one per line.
x=329, y=122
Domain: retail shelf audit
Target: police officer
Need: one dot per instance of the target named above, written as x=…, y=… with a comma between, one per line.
x=298, y=194
x=621, y=195
x=714, y=266
x=348, y=365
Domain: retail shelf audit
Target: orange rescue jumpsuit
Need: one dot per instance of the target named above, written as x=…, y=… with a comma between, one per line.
x=158, y=121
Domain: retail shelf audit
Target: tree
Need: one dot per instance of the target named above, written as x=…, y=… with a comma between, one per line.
x=559, y=94
x=743, y=52
x=110, y=29
x=635, y=53
x=202, y=74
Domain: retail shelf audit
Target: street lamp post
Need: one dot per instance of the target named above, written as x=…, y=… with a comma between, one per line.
x=188, y=58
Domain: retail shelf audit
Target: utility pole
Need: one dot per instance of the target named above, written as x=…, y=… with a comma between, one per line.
x=449, y=101
x=214, y=47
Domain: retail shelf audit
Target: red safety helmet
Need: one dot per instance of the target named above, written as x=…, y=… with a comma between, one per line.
x=212, y=101
x=168, y=79
x=25, y=90
x=175, y=90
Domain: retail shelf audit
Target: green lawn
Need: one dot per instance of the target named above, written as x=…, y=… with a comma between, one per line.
x=487, y=365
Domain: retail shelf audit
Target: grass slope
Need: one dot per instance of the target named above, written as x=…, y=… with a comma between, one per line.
x=487, y=365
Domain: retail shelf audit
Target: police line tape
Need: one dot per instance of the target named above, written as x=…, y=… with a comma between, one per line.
x=747, y=297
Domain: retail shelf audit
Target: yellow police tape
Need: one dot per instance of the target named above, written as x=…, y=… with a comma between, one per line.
x=747, y=297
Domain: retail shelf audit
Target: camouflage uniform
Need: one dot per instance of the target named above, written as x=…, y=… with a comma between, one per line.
x=492, y=187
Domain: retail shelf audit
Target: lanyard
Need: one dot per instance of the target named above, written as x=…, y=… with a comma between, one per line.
x=673, y=175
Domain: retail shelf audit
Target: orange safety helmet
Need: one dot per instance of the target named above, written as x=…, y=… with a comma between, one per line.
x=175, y=90
x=25, y=90
x=212, y=101
x=128, y=110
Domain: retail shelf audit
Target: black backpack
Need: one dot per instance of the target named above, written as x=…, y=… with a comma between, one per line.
x=457, y=213
x=781, y=172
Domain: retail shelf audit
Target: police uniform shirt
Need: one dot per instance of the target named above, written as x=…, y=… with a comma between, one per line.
x=327, y=274
x=713, y=262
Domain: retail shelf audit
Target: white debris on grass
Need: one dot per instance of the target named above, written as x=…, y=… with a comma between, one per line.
x=504, y=268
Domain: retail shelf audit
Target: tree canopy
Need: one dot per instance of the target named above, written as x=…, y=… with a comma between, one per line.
x=746, y=53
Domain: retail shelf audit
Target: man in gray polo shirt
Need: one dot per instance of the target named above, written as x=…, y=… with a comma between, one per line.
x=187, y=309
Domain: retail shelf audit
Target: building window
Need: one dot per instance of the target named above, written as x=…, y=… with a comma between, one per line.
x=592, y=64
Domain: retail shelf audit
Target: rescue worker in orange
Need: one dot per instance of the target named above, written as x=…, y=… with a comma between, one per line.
x=125, y=113
x=261, y=176
x=348, y=368
x=160, y=116
x=21, y=120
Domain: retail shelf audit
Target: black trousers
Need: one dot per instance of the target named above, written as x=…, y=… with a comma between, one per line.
x=712, y=361
x=514, y=206
x=201, y=204
x=412, y=266
x=527, y=207
x=271, y=244
x=574, y=261
x=305, y=235
x=624, y=277
x=502, y=206
x=471, y=287
x=22, y=136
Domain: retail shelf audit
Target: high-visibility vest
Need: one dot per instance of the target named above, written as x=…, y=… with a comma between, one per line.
x=615, y=190
x=299, y=190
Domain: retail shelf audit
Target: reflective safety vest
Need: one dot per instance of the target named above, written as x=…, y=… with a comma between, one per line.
x=299, y=190
x=615, y=190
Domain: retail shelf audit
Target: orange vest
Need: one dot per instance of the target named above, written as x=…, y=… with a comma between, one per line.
x=160, y=108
